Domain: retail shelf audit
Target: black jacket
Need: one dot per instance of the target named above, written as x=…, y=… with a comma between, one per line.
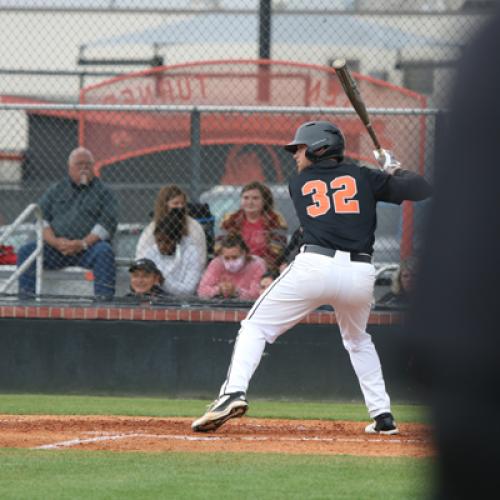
x=336, y=202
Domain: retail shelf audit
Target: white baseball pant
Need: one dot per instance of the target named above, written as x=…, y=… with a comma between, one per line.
x=310, y=281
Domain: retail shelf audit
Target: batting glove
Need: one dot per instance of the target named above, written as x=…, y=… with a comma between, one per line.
x=387, y=160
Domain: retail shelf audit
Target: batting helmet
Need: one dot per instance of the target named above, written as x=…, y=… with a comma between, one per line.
x=318, y=135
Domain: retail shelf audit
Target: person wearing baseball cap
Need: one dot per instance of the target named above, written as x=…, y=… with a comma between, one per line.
x=145, y=280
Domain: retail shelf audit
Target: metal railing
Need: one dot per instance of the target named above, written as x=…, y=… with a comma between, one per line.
x=37, y=254
x=210, y=108
x=386, y=268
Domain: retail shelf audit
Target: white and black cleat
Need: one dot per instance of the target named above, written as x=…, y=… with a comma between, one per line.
x=382, y=424
x=225, y=407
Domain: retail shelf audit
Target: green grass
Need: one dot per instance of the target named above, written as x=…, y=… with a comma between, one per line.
x=82, y=474
x=75, y=475
x=37, y=404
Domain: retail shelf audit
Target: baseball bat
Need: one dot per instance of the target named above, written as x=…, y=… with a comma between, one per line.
x=352, y=92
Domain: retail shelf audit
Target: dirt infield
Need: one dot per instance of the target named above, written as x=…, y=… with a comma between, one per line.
x=243, y=435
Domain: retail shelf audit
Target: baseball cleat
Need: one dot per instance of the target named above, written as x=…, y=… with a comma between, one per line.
x=227, y=406
x=382, y=424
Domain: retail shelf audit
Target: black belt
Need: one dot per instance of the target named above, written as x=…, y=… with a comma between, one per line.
x=330, y=252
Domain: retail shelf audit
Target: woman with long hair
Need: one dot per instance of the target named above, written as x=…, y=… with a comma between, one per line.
x=169, y=197
x=401, y=285
x=261, y=227
x=189, y=237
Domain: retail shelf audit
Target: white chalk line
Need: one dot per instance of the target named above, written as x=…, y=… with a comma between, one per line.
x=184, y=437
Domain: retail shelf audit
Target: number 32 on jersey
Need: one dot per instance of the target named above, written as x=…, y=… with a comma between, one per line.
x=344, y=190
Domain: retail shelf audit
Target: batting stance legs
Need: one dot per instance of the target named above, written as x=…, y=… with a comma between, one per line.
x=310, y=281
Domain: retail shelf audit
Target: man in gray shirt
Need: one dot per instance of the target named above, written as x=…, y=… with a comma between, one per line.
x=80, y=219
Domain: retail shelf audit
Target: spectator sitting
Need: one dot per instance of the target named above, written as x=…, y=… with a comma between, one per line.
x=401, y=287
x=234, y=273
x=169, y=197
x=175, y=255
x=261, y=227
x=266, y=279
x=80, y=218
x=145, y=280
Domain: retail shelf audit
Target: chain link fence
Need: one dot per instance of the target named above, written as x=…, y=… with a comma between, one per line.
x=202, y=95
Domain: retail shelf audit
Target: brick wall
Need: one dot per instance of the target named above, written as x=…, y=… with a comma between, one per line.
x=155, y=313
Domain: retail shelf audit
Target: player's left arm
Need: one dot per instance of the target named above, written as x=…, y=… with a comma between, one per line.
x=405, y=185
x=394, y=185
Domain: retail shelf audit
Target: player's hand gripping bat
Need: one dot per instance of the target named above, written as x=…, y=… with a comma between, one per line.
x=384, y=157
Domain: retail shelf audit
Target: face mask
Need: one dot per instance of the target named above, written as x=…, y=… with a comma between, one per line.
x=178, y=211
x=233, y=266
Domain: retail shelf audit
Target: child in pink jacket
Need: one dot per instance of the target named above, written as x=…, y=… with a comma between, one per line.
x=234, y=274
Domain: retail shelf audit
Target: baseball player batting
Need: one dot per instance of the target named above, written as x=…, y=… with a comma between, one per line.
x=335, y=201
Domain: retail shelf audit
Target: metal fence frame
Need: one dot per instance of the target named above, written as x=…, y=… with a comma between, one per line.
x=197, y=110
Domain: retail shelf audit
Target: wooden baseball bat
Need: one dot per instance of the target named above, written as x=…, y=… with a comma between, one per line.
x=351, y=89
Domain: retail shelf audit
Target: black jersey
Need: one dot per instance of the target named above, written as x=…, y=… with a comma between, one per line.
x=336, y=202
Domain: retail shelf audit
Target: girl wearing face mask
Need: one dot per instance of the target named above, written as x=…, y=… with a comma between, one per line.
x=234, y=274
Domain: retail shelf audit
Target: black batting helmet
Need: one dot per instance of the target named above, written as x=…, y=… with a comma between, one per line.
x=318, y=135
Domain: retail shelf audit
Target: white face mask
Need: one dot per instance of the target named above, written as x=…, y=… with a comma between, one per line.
x=233, y=266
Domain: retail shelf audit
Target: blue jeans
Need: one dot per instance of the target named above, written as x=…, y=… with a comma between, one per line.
x=99, y=258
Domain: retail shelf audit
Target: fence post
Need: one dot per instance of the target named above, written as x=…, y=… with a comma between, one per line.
x=195, y=184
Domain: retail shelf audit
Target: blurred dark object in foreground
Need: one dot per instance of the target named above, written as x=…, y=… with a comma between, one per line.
x=454, y=320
